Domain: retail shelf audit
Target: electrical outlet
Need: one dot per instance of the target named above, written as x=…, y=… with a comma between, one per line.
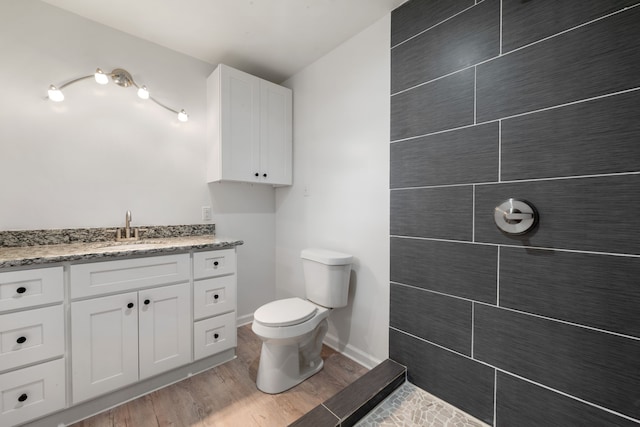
x=206, y=213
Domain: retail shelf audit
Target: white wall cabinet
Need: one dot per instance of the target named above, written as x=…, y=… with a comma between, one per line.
x=249, y=129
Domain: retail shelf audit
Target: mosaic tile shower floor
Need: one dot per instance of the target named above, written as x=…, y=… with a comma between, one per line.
x=411, y=406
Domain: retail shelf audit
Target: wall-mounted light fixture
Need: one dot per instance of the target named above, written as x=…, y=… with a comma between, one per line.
x=120, y=77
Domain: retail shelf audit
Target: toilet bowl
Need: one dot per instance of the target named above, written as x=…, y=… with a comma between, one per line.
x=292, y=329
x=291, y=343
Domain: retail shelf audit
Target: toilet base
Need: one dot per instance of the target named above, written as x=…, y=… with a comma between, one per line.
x=286, y=363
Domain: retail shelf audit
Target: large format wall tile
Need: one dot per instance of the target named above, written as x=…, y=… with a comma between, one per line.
x=442, y=213
x=595, y=366
x=442, y=320
x=593, y=60
x=473, y=36
x=594, y=290
x=443, y=104
x=460, y=269
x=520, y=403
x=463, y=156
x=415, y=16
x=595, y=137
x=459, y=380
x=524, y=22
x=591, y=214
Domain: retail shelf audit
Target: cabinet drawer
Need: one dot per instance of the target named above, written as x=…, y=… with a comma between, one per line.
x=214, y=335
x=214, y=296
x=30, y=336
x=28, y=288
x=214, y=263
x=32, y=392
x=126, y=275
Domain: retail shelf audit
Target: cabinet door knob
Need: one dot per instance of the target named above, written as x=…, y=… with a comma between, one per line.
x=264, y=174
x=23, y=397
x=21, y=340
x=216, y=296
x=215, y=336
x=130, y=305
x=147, y=302
x=216, y=263
x=257, y=174
x=21, y=290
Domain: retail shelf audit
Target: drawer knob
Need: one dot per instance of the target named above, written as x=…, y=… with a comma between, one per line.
x=130, y=305
x=257, y=174
x=216, y=296
x=215, y=263
x=147, y=302
x=215, y=336
x=23, y=397
x=21, y=290
x=21, y=340
x=264, y=174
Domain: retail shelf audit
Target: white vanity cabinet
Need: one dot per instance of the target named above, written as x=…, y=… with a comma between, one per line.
x=249, y=129
x=214, y=302
x=119, y=339
x=32, y=344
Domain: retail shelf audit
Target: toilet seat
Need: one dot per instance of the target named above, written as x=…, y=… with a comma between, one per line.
x=285, y=312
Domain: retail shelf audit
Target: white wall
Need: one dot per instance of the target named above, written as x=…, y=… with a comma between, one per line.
x=103, y=151
x=340, y=196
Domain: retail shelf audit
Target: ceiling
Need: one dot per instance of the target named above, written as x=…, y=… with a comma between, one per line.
x=273, y=39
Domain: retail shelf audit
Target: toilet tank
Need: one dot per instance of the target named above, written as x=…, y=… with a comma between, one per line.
x=326, y=276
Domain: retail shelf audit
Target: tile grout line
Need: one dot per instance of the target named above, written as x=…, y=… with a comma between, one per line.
x=541, y=248
x=500, y=150
x=473, y=214
x=431, y=27
x=595, y=405
x=500, y=55
x=513, y=116
x=495, y=395
x=513, y=310
x=475, y=95
x=498, y=278
x=518, y=181
x=473, y=324
x=501, y=15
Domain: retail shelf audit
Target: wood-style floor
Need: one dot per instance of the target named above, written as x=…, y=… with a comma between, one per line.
x=227, y=395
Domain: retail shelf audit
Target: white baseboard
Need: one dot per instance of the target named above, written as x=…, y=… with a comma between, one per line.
x=351, y=352
x=332, y=341
x=244, y=320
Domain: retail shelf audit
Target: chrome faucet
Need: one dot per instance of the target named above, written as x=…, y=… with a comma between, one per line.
x=127, y=225
x=129, y=233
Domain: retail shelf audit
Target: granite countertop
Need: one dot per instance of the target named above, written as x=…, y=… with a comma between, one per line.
x=78, y=249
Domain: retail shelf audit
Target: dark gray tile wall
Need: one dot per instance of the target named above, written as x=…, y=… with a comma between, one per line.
x=450, y=376
x=543, y=328
x=461, y=156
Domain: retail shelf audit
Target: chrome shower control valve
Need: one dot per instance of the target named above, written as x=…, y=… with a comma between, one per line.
x=515, y=216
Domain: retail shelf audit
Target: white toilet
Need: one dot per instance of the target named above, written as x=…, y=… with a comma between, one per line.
x=292, y=329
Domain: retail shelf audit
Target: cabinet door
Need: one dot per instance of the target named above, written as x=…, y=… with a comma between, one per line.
x=165, y=329
x=239, y=124
x=275, y=134
x=104, y=344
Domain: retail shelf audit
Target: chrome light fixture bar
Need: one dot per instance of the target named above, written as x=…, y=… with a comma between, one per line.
x=122, y=78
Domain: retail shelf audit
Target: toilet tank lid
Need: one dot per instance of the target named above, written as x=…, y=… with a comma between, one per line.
x=325, y=256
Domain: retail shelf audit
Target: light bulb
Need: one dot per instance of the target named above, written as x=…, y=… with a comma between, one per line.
x=183, y=116
x=55, y=94
x=101, y=78
x=143, y=92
